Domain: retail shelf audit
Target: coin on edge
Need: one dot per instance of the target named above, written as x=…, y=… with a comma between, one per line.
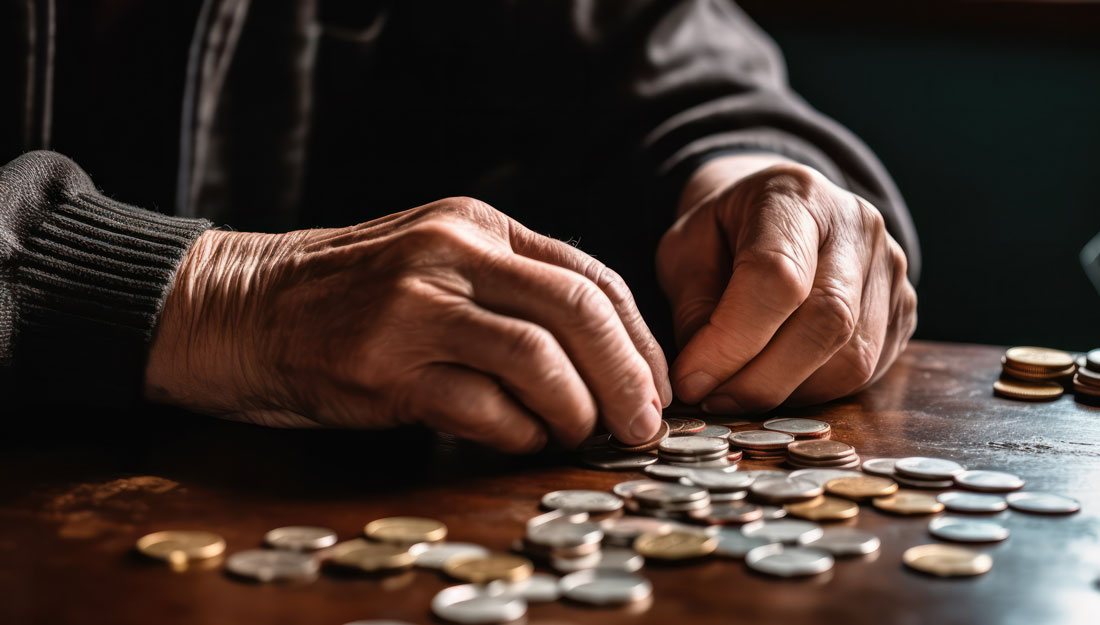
x=405, y=530
x=947, y=561
x=180, y=546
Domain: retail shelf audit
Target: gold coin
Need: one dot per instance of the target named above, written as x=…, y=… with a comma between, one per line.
x=1038, y=359
x=1031, y=391
x=908, y=502
x=947, y=561
x=824, y=509
x=859, y=488
x=484, y=569
x=1034, y=376
x=674, y=545
x=367, y=556
x=180, y=547
x=405, y=530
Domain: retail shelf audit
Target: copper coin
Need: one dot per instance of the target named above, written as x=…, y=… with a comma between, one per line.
x=821, y=449
x=1038, y=359
x=1031, y=376
x=1028, y=391
x=1085, y=389
x=761, y=439
x=1089, y=377
x=662, y=434
x=847, y=462
x=679, y=425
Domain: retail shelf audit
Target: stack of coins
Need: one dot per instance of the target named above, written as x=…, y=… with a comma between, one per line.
x=800, y=428
x=562, y=540
x=1034, y=373
x=695, y=451
x=762, y=445
x=1086, y=382
x=821, y=454
x=665, y=500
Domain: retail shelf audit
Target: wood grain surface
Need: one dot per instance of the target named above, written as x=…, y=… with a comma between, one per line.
x=78, y=488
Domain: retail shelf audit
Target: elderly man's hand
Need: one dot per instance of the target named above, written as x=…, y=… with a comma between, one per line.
x=785, y=287
x=451, y=314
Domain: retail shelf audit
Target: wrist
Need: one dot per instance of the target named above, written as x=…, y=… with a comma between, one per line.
x=718, y=174
x=206, y=353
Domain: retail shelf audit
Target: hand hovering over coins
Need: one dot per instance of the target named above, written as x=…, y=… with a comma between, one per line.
x=451, y=314
x=785, y=287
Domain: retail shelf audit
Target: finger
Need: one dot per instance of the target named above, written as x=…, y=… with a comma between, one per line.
x=772, y=275
x=820, y=327
x=855, y=363
x=903, y=315
x=694, y=299
x=584, y=322
x=562, y=254
x=469, y=404
x=530, y=363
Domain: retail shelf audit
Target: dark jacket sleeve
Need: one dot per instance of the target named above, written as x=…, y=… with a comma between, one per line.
x=679, y=81
x=82, y=280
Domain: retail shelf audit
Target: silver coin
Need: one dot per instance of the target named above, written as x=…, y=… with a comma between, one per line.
x=667, y=472
x=721, y=463
x=667, y=457
x=734, y=512
x=957, y=501
x=929, y=484
x=784, y=561
x=771, y=513
x=300, y=538
x=614, y=460
x=614, y=559
x=879, y=466
x=820, y=476
x=990, y=481
x=736, y=495
x=796, y=426
x=539, y=588
x=967, y=530
x=714, y=431
x=435, y=555
x=591, y=501
x=665, y=493
x=1045, y=503
x=786, y=531
x=560, y=534
x=679, y=506
x=627, y=489
x=623, y=530
x=762, y=473
x=273, y=565
x=785, y=488
x=852, y=462
x=923, y=468
x=733, y=544
x=1092, y=360
x=569, y=516
x=752, y=438
x=473, y=603
x=846, y=541
x=605, y=587
x=720, y=481
x=693, y=445
x=572, y=565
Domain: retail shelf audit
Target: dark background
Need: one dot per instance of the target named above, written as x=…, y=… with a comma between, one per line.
x=988, y=116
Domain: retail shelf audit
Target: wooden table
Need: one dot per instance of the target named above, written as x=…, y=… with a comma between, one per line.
x=75, y=498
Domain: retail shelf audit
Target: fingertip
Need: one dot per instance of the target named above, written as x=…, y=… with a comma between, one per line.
x=644, y=426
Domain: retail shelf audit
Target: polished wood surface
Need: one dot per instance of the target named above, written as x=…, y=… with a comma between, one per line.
x=77, y=494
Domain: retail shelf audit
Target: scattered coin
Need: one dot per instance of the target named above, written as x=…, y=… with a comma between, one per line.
x=862, y=487
x=539, y=588
x=799, y=428
x=616, y=559
x=605, y=587
x=761, y=439
x=846, y=541
x=929, y=484
x=880, y=466
x=820, y=449
x=405, y=530
x=957, y=501
x=784, y=561
x=787, y=531
x=849, y=462
x=771, y=513
x=300, y=538
x=733, y=544
x=824, y=509
x=720, y=481
x=947, y=561
x=591, y=501
x=471, y=603
x=621, y=531
x=370, y=557
x=991, y=481
x=675, y=545
x=967, y=530
x=437, y=554
x=820, y=476
x=662, y=434
x=1028, y=391
x=488, y=568
x=784, y=489
x=678, y=426
x=569, y=516
x=908, y=502
x=720, y=463
x=273, y=565
x=1044, y=503
x=572, y=565
x=923, y=468
x=558, y=535
x=616, y=460
x=668, y=472
x=663, y=493
x=715, y=431
x=732, y=512
x=627, y=489
x=181, y=546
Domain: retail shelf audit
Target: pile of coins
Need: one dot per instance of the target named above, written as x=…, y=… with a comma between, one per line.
x=1042, y=374
x=821, y=454
x=695, y=451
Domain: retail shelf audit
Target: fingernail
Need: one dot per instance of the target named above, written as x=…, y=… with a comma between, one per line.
x=720, y=404
x=644, y=425
x=694, y=385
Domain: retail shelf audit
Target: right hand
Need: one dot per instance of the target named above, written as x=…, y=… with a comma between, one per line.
x=451, y=314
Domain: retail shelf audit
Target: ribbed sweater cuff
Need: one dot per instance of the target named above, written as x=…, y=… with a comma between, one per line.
x=89, y=288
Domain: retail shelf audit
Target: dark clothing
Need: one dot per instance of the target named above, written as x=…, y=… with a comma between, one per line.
x=576, y=116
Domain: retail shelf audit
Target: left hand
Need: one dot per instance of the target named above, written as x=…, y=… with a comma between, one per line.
x=785, y=287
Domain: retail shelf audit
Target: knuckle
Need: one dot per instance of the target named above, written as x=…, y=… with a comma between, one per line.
x=787, y=278
x=589, y=305
x=532, y=343
x=610, y=282
x=832, y=319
